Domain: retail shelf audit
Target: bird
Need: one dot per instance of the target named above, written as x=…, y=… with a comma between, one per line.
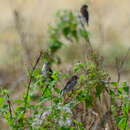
x=84, y=12
x=47, y=73
x=46, y=70
x=70, y=84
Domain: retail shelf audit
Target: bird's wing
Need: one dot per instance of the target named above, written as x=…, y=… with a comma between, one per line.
x=70, y=85
x=50, y=70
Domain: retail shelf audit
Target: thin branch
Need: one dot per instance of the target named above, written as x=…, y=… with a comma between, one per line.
x=102, y=122
x=117, y=69
x=89, y=45
x=120, y=64
x=9, y=104
x=125, y=57
x=30, y=80
x=92, y=124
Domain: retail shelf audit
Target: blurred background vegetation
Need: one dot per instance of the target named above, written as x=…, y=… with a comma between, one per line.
x=24, y=27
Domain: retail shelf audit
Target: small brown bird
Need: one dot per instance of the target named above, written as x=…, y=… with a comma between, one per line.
x=70, y=84
x=84, y=12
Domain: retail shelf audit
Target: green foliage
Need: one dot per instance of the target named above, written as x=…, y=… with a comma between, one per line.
x=59, y=113
x=44, y=107
x=121, y=111
x=66, y=26
x=67, y=29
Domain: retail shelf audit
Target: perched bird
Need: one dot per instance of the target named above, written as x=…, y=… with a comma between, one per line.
x=46, y=70
x=84, y=12
x=47, y=73
x=70, y=84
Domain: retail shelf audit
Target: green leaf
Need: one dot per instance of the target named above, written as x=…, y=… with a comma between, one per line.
x=19, y=101
x=124, y=84
x=89, y=100
x=84, y=33
x=99, y=90
x=115, y=84
x=47, y=92
x=2, y=100
x=66, y=31
x=122, y=123
x=55, y=45
x=126, y=89
x=112, y=93
x=57, y=90
x=74, y=34
x=120, y=90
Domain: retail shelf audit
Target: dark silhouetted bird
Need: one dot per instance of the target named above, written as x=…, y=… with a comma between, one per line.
x=46, y=70
x=70, y=84
x=84, y=12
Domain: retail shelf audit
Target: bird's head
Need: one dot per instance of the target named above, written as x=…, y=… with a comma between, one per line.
x=75, y=77
x=45, y=65
x=85, y=6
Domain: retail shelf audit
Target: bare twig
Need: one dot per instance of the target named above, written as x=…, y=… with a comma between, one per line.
x=117, y=64
x=94, y=120
x=120, y=64
x=102, y=122
x=125, y=57
x=9, y=104
x=89, y=45
x=30, y=80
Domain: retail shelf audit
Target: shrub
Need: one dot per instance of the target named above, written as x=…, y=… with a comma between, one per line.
x=43, y=106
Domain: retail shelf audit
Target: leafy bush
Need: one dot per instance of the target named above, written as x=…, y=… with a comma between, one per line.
x=43, y=106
